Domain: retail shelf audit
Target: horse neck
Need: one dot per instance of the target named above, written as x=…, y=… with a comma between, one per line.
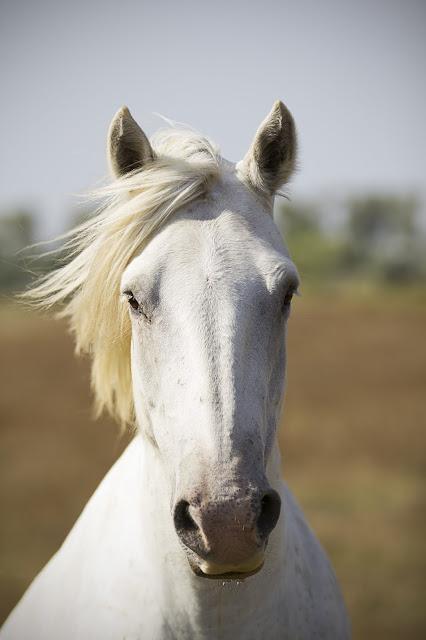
x=196, y=602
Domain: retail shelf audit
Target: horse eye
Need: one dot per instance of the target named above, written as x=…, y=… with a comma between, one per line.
x=287, y=299
x=132, y=300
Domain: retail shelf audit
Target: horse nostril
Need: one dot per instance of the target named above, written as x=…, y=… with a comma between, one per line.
x=182, y=518
x=270, y=507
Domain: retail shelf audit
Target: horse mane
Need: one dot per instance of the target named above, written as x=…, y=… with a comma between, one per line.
x=87, y=285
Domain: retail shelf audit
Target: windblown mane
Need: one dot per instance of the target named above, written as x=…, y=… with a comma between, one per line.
x=98, y=251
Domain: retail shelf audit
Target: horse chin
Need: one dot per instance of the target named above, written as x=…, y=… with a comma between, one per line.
x=239, y=572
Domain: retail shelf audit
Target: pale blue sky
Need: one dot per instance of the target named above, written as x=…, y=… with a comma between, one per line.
x=352, y=73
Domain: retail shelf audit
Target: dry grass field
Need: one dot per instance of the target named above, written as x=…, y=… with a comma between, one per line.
x=352, y=441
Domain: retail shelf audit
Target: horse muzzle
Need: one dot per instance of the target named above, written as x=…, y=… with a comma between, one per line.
x=226, y=538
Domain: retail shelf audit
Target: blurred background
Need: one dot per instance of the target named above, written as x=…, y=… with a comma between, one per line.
x=352, y=433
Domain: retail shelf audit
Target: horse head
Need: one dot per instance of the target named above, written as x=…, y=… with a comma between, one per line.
x=208, y=299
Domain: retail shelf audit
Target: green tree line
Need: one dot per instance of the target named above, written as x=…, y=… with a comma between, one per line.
x=379, y=239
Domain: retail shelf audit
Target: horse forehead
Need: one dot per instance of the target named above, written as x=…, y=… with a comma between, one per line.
x=214, y=243
x=211, y=238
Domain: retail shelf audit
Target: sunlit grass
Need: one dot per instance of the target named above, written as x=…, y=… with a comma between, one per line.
x=352, y=439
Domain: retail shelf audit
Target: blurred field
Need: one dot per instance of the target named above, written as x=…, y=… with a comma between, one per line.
x=352, y=440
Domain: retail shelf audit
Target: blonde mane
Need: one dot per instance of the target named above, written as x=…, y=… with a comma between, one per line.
x=98, y=251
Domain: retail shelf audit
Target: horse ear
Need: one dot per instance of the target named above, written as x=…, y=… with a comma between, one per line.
x=271, y=158
x=128, y=146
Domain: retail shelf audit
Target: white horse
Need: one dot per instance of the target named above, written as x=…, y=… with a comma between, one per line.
x=180, y=289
